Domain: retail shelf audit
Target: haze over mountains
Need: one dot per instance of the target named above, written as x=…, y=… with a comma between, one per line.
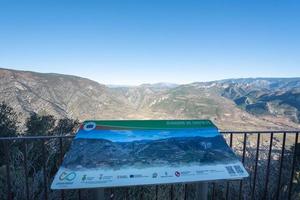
x=234, y=104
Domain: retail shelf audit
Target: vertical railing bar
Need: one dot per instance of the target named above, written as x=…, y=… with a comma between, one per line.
x=255, y=167
x=26, y=168
x=7, y=158
x=44, y=170
x=79, y=194
x=280, y=167
x=244, y=147
x=62, y=193
x=293, y=167
x=213, y=191
x=185, y=191
x=230, y=141
x=171, y=192
x=227, y=184
x=141, y=192
x=243, y=160
x=111, y=193
x=268, y=167
x=127, y=193
x=79, y=191
x=156, y=192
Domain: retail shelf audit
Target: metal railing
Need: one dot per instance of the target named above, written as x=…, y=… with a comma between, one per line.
x=270, y=157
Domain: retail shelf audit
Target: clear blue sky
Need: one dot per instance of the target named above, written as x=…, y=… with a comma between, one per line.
x=147, y=41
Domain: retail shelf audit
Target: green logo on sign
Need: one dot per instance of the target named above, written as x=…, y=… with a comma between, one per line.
x=67, y=176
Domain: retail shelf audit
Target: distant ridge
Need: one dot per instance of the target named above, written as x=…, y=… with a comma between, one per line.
x=233, y=104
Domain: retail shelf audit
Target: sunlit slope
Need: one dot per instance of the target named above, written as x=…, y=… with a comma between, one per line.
x=221, y=101
x=196, y=101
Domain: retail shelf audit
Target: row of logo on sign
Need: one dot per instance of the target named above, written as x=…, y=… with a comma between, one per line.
x=70, y=176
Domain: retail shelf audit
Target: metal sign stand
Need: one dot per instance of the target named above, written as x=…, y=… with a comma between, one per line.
x=201, y=192
x=98, y=194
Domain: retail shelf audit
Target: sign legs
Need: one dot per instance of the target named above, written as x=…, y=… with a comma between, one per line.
x=98, y=194
x=202, y=191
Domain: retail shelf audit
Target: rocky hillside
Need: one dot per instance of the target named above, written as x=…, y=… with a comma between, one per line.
x=59, y=95
x=243, y=104
x=278, y=97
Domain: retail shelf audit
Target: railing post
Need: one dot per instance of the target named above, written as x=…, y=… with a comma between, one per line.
x=213, y=193
x=255, y=167
x=243, y=160
x=227, y=184
x=79, y=194
x=280, y=167
x=185, y=192
x=171, y=192
x=44, y=170
x=8, y=180
x=293, y=168
x=26, y=168
x=156, y=191
x=61, y=154
x=268, y=167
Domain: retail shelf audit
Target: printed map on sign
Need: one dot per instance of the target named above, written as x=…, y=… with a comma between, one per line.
x=141, y=152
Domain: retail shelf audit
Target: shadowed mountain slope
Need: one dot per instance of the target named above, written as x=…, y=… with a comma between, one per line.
x=242, y=104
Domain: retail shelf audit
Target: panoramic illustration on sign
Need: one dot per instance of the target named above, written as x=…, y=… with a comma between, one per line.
x=141, y=152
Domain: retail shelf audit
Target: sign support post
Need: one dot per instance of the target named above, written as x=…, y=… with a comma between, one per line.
x=98, y=194
x=202, y=190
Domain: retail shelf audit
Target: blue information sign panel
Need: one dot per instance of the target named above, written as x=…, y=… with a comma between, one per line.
x=142, y=152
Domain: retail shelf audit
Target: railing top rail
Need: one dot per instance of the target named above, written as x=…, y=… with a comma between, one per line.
x=36, y=137
x=260, y=132
x=72, y=136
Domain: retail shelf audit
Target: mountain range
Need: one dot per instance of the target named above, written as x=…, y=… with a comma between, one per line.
x=233, y=104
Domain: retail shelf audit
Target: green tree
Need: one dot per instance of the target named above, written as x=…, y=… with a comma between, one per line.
x=39, y=125
x=8, y=127
x=8, y=121
x=65, y=126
